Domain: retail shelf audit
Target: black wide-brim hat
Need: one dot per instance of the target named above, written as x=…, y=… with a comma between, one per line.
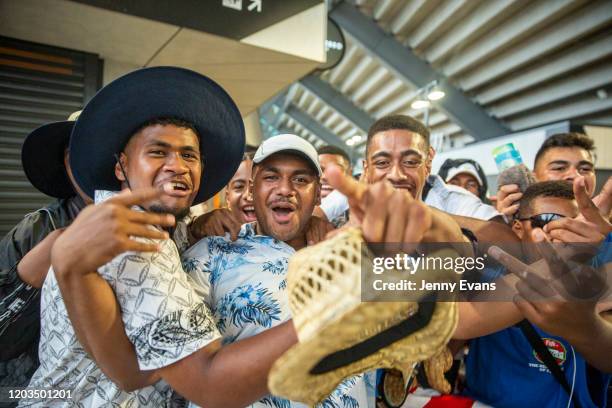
x=109, y=120
x=42, y=158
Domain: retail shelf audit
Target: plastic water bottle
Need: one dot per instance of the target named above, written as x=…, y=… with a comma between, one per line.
x=506, y=156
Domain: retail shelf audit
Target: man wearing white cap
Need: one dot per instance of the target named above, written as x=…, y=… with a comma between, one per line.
x=467, y=174
x=246, y=277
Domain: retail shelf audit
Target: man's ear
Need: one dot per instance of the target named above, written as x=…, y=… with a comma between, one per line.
x=66, y=157
x=517, y=227
x=318, y=194
x=118, y=173
x=430, y=156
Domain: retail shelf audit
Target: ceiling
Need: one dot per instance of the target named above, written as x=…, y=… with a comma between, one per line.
x=517, y=64
x=251, y=69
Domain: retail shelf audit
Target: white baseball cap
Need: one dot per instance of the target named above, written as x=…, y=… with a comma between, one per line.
x=467, y=168
x=288, y=143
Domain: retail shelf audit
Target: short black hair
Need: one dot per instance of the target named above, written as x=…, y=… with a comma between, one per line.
x=572, y=139
x=331, y=149
x=249, y=152
x=165, y=121
x=553, y=188
x=398, y=122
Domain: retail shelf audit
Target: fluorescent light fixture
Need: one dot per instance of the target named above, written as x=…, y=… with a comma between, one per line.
x=420, y=104
x=435, y=95
x=350, y=142
x=356, y=138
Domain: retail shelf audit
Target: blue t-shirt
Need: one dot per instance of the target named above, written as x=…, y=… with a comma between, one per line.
x=502, y=370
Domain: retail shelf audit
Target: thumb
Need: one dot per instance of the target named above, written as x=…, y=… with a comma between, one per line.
x=603, y=200
x=587, y=208
x=344, y=183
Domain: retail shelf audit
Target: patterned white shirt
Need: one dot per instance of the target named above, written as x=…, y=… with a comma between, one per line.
x=163, y=315
x=247, y=294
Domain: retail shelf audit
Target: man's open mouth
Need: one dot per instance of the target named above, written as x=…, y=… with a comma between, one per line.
x=249, y=213
x=176, y=188
x=282, y=212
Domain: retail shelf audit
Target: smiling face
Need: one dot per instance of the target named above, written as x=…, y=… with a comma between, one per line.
x=327, y=160
x=566, y=163
x=401, y=157
x=238, y=195
x=285, y=191
x=166, y=157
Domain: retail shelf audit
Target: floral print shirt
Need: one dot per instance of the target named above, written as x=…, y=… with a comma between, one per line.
x=246, y=286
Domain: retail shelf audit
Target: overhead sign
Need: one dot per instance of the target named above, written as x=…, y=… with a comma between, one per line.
x=334, y=46
x=235, y=19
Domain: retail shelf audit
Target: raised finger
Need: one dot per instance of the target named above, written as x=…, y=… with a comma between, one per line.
x=376, y=213
x=509, y=189
x=510, y=262
x=567, y=236
x=511, y=210
x=344, y=183
x=604, y=198
x=533, y=287
x=587, y=208
x=394, y=233
x=144, y=231
x=512, y=198
x=579, y=227
x=165, y=220
x=138, y=246
x=129, y=198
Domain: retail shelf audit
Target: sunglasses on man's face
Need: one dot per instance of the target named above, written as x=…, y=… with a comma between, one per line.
x=540, y=220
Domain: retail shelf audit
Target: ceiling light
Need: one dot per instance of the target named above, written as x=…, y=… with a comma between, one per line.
x=356, y=138
x=602, y=93
x=420, y=104
x=350, y=142
x=435, y=95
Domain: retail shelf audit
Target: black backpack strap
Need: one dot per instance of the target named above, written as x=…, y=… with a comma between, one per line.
x=540, y=348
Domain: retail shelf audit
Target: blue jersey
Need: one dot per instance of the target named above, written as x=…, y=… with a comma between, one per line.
x=502, y=370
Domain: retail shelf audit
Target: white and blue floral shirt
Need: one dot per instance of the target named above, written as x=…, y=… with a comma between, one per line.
x=247, y=295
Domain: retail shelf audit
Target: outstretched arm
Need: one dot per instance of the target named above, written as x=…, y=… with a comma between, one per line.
x=96, y=236
x=199, y=373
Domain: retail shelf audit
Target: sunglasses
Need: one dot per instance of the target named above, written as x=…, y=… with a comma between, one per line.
x=540, y=220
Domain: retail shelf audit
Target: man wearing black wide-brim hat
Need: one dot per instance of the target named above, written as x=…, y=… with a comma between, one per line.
x=178, y=132
x=23, y=262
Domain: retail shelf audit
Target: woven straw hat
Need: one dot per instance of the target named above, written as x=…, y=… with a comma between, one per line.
x=339, y=335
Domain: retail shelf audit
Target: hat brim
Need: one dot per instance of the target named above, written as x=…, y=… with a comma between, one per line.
x=291, y=375
x=315, y=165
x=454, y=172
x=42, y=158
x=109, y=120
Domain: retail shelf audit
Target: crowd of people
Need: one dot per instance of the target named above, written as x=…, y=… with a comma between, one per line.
x=118, y=294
